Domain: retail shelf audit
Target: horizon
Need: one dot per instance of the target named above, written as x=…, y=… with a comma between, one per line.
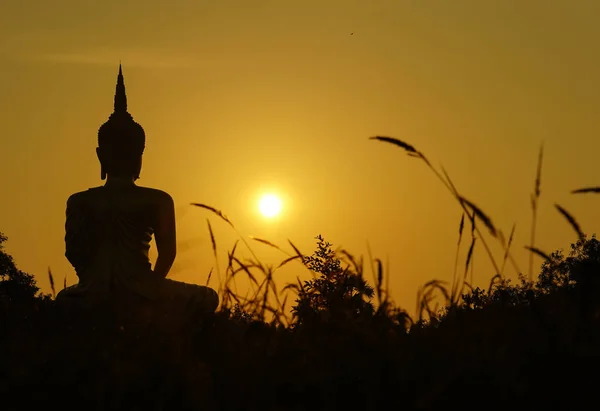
x=239, y=101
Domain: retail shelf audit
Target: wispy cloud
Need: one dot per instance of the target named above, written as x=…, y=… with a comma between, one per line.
x=132, y=58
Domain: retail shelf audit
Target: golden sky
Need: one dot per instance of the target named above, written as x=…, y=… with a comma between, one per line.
x=239, y=97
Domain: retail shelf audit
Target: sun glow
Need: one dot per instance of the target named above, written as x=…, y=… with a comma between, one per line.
x=269, y=205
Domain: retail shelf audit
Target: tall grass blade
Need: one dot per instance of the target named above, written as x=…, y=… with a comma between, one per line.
x=461, y=226
x=214, y=249
x=379, y=281
x=267, y=242
x=538, y=252
x=450, y=184
x=469, y=258
x=571, y=220
x=471, y=281
x=245, y=269
x=209, y=276
x=485, y=219
x=287, y=260
x=215, y=211
x=495, y=279
x=396, y=142
x=534, y=207
x=51, y=277
x=212, y=238
x=296, y=250
x=538, y=176
x=506, y=251
x=586, y=190
x=371, y=261
x=291, y=286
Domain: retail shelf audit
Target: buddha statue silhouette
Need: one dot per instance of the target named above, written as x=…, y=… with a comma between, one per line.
x=109, y=228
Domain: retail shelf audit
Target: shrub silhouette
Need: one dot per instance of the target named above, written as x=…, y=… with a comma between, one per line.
x=581, y=268
x=16, y=286
x=577, y=275
x=336, y=294
x=340, y=351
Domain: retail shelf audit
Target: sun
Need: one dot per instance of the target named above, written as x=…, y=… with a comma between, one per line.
x=269, y=205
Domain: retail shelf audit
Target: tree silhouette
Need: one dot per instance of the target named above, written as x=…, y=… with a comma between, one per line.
x=16, y=286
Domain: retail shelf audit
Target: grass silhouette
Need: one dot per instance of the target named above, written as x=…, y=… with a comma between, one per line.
x=341, y=344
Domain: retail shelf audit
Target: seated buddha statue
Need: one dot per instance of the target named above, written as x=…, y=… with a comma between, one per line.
x=109, y=228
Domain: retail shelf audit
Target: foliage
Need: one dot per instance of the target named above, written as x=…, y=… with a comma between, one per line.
x=336, y=293
x=581, y=266
x=578, y=272
x=498, y=342
x=16, y=286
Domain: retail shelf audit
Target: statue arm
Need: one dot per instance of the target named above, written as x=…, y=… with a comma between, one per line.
x=165, y=236
x=75, y=243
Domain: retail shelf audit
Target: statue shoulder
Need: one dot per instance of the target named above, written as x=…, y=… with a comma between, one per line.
x=82, y=196
x=159, y=196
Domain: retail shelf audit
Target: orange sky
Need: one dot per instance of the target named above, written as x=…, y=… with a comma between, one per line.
x=238, y=97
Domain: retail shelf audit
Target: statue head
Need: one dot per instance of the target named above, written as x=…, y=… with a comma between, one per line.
x=121, y=141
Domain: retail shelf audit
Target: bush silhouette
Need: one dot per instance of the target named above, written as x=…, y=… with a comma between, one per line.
x=16, y=286
x=341, y=351
x=577, y=275
x=336, y=294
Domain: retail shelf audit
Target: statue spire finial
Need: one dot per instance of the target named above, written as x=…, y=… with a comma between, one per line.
x=120, y=96
x=121, y=134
